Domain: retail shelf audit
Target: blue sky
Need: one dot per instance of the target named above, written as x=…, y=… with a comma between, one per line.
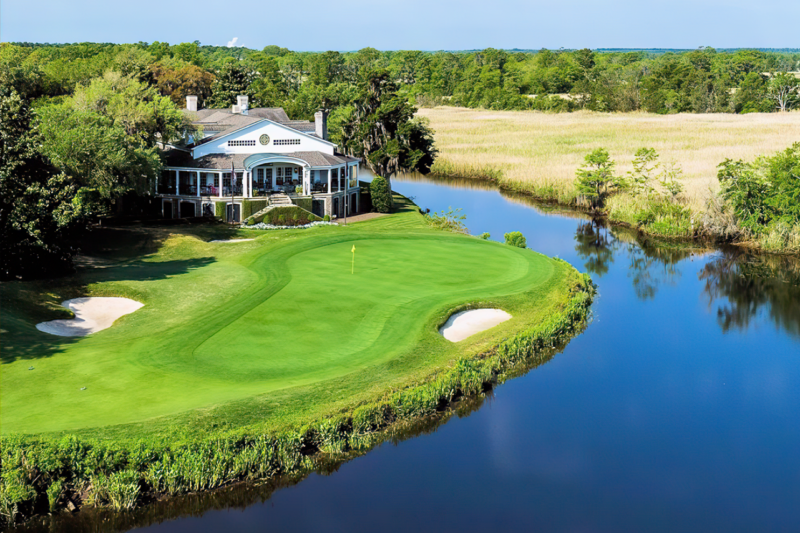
x=410, y=24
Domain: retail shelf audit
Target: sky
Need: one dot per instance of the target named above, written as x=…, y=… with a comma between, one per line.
x=316, y=25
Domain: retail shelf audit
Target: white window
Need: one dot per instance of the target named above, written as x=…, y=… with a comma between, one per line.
x=285, y=142
x=241, y=143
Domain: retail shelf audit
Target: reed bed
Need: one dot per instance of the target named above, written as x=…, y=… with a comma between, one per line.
x=539, y=152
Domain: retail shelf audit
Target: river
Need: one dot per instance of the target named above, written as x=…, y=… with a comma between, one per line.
x=678, y=409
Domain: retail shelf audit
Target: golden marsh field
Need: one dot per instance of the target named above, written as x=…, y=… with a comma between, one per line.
x=542, y=150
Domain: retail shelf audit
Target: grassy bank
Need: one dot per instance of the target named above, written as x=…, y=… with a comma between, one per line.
x=249, y=359
x=538, y=153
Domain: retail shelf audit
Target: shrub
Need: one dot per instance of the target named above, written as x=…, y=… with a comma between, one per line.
x=295, y=218
x=298, y=190
x=326, y=218
x=595, y=176
x=451, y=220
x=281, y=220
x=250, y=221
x=485, y=236
x=381, y=195
x=763, y=193
x=516, y=238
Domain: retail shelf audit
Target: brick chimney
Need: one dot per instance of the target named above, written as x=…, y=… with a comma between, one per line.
x=191, y=103
x=321, y=124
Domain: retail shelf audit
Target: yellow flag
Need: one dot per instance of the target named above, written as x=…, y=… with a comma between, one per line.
x=354, y=249
x=353, y=262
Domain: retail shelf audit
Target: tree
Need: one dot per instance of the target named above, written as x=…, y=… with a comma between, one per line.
x=784, y=89
x=670, y=179
x=105, y=137
x=40, y=209
x=232, y=80
x=381, y=195
x=189, y=80
x=645, y=166
x=382, y=130
x=595, y=176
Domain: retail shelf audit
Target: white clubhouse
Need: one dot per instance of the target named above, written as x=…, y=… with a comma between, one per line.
x=270, y=157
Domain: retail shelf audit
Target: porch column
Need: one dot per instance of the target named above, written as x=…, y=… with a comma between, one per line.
x=329, y=181
x=249, y=183
x=306, y=181
x=198, y=184
x=177, y=183
x=220, y=185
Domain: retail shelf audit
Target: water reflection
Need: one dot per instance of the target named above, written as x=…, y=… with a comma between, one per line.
x=595, y=244
x=745, y=287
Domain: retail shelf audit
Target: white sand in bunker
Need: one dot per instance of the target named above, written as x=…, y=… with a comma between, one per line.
x=235, y=240
x=466, y=323
x=92, y=314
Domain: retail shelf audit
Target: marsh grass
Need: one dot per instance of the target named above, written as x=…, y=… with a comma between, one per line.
x=538, y=152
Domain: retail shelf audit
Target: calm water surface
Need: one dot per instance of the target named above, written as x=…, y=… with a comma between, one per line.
x=678, y=409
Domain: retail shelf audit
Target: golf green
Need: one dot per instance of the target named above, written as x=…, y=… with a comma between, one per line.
x=287, y=311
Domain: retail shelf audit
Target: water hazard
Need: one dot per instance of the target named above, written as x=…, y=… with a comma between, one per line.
x=676, y=410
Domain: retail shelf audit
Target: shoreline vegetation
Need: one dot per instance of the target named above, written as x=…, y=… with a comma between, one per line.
x=716, y=198
x=126, y=466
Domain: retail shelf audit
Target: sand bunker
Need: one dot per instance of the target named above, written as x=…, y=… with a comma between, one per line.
x=91, y=315
x=465, y=323
x=235, y=240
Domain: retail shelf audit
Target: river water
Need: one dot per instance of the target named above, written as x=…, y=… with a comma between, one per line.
x=678, y=409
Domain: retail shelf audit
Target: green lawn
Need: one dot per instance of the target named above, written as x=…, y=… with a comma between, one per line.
x=268, y=332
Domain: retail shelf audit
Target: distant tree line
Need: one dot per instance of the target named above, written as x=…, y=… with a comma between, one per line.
x=699, y=81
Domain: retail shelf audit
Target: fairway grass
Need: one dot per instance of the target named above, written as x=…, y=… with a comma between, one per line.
x=540, y=152
x=269, y=333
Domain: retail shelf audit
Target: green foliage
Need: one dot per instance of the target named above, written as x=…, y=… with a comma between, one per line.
x=250, y=207
x=41, y=210
x=595, y=176
x=381, y=195
x=383, y=131
x=515, y=238
x=763, y=193
x=645, y=171
x=450, y=220
x=280, y=220
x=485, y=235
x=326, y=218
x=303, y=203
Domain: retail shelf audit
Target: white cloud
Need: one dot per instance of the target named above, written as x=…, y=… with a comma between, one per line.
x=232, y=42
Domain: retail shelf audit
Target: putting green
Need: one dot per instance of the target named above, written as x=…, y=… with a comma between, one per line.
x=275, y=314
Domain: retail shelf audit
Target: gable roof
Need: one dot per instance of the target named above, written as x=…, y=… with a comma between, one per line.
x=223, y=122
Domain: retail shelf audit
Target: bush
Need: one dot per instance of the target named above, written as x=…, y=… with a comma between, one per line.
x=326, y=218
x=281, y=220
x=313, y=218
x=250, y=221
x=516, y=238
x=295, y=218
x=485, y=236
x=451, y=220
x=381, y=195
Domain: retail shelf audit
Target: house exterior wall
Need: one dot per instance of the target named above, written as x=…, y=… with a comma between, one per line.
x=301, y=142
